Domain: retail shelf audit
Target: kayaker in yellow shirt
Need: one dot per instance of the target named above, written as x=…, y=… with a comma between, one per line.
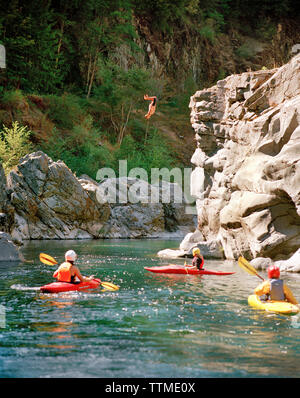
x=274, y=288
x=67, y=271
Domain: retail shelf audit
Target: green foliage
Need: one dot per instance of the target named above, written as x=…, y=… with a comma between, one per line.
x=83, y=60
x=54, y=45
x=266, y=31
x=208, y=32
x=14, y=143
x=154, y=154
x=12, y=98
x=31, y=42
x=181, y=100
x=80, y=150
x=255, y=11
x=122, y=92
x=163, y=12
x=75, y=140
x=245, y=51
x=64, y=110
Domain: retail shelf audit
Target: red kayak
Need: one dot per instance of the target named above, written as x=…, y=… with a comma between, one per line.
x=57, y=287
x=182, y=269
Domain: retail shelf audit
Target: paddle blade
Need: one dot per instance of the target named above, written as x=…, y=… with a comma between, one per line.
x=110, y=286
x=46, y=259
x=245, y=265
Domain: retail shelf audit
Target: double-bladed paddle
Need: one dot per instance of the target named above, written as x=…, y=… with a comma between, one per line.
x=48, y=260
x=243, y=263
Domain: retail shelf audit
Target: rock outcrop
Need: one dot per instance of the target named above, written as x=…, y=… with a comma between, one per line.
x=209, y=249
x=292, y=264
x=247, y=163
x=3, y=197
x=50, y=203
x=47, y=201
x=138, y=209
x=8, y=250
x=5, y=208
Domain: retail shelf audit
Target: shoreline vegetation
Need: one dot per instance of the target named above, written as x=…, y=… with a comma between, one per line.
x=76, y=73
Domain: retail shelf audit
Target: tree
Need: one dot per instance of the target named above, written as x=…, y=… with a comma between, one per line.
x=103, y=25
x=121, y=90
x=30, y=40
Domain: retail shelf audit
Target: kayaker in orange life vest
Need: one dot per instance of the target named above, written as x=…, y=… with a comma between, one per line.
x=198, y=260
x=67, y=271
x=274, y=288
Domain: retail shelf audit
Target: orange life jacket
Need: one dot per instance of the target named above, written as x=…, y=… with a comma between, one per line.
x=63, y=273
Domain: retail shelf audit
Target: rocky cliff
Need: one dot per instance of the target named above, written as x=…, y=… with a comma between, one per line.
x=247, y=162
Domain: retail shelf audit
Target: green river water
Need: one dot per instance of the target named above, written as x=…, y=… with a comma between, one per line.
x=156, y=325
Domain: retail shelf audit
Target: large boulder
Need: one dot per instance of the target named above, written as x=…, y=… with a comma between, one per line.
x=292, y=264
x=209, y=250
x=8, y=251
x=140, y=209
x=50, y=203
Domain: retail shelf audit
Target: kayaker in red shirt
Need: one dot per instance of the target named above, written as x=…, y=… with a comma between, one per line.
x=198, y=260
x=67, y=271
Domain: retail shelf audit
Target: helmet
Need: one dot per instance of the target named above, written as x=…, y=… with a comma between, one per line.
x=196, y=250
x=273, y=271
x=70, y=255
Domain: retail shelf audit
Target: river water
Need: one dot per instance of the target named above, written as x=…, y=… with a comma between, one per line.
x=155, y=326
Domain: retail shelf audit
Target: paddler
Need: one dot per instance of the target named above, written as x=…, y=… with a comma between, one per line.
x=67, y=271
x=274, y=288
x=198, y=260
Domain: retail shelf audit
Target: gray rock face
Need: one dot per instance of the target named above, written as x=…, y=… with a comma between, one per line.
x=3, y=197
x=139, y=209
x=50, y=203
x=290, y=265
x=246, y=179
x=47, y=201
x=8, y=251
x=5, y=207
x=209, y=250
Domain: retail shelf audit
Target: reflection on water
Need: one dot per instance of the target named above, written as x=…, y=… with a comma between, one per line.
x=154, y=326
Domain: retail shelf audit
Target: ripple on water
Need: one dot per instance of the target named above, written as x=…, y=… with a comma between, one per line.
x=154, y=326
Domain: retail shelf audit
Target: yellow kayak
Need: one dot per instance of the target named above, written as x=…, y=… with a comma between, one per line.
x=280, y=307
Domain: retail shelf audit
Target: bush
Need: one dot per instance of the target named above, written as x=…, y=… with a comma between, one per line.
x=14, y=143
x=245, y=51
x=65, y=111
x=79, y=148
x=152, y=154
x=12, y=98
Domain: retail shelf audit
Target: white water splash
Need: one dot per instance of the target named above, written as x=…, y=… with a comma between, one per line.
x=24, y=288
